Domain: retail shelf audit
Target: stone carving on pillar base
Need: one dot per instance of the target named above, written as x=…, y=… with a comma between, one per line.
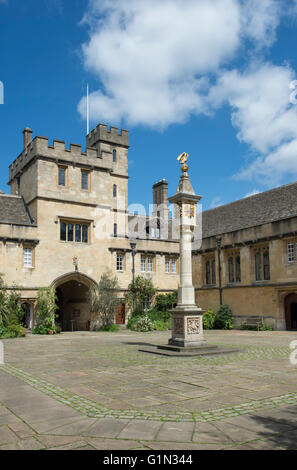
x=178, y=326
x=193, y=326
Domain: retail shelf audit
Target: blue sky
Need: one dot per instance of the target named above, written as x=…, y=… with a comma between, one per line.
x=206, y=77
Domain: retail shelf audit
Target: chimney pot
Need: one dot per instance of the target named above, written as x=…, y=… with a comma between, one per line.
x=27, y=136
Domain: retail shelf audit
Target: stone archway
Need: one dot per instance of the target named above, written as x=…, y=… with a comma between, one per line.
x=291, y=311
x=73, y=312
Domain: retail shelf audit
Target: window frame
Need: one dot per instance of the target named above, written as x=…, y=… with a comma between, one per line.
x=114, y=190
x=210, y=273
x=65, y=169
x=262, y=271
x=115, y=230
x=85, y=227
x=25, y=250
x=87, y=173
x=119, y=262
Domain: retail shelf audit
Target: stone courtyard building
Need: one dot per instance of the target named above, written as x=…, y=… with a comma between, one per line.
x=67, y=221
x=256, y=241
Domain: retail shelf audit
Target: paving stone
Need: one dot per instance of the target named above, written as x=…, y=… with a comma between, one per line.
x=208, y=433
x=7, y=436
x=80, y=444
x=106, y=428
x=180, y=446
x=55, y=441
x=140, y=430
x=176, y=432
x=113, y=444
x=21, y=429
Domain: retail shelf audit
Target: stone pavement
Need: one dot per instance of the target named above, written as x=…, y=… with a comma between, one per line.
x=97, y=391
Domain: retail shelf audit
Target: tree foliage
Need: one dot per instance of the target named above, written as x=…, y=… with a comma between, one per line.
x=224, y=318
x=46, y=311
x=165, y=302
x=103, y=301
x=139, y=295
x=11, y=312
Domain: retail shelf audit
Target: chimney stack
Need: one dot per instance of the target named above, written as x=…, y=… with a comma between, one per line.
x=161, y=210
x=27, y=136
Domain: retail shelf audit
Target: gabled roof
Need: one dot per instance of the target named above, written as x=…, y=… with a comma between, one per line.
x=13, y=211
x=269, y=206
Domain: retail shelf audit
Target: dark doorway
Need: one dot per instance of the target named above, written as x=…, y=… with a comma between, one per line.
x=294, y=315
x=73, y=312
x=28, y=315
x=120, y=315
x=291, y=311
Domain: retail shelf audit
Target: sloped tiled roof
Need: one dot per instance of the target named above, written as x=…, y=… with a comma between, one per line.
x=276, y=204
x=13, y=210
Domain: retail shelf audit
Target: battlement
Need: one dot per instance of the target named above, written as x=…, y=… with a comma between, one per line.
x=39, y=148
x=113, y=136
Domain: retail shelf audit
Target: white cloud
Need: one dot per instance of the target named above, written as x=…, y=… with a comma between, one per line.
x=156, y=63
x=261, y=19
x=264, y=117
x=252, y=193
x=216, y=202
x=154, y=59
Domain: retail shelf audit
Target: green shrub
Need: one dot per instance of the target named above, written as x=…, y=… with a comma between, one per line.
x=139, y=295
x=111, y=328
x=11, y=312
x=12, y=331
x=103, y=301
x=264, y=327
x=224, y=318
x=131, y=320
x=247, y=327
x=161, y=325
x=158, y=315
x=142, y=323
x=165, y=302
x=46, y=308
x=209, y=320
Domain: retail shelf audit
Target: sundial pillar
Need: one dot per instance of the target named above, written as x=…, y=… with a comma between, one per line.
x=187, y=323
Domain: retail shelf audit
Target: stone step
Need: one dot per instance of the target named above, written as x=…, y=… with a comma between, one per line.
x=189, y=352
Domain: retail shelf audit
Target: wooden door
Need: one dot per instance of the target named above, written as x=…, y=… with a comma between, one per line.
x=120, y=315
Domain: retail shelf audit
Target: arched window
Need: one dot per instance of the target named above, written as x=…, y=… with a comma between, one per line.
x=114, y=190
x=238, y=273
x=207, y=268
x=258, y=267
x=114, y=155
x=231, y=269
x=266, y=266
x=213, y=271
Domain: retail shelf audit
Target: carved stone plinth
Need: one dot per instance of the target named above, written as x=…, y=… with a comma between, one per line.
x=187, y=327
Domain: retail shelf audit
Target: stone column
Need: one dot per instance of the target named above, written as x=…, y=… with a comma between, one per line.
x=187, y=324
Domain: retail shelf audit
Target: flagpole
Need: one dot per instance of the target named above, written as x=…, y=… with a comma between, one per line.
x=88, y=129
